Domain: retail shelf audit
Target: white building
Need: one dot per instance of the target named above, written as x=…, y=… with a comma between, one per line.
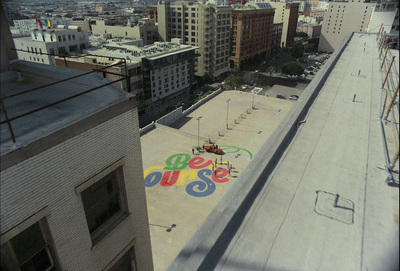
x=27, y=25
x=343, y=18
x=322, y=5
x=57, y=41
x=72, y=190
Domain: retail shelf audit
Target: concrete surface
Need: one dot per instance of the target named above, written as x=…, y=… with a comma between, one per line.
x=173, y=205
x=292, y=224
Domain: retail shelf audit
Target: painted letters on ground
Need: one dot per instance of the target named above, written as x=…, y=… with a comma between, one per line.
x=181, y=167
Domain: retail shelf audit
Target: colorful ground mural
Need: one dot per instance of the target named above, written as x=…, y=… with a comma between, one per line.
x=200, y=174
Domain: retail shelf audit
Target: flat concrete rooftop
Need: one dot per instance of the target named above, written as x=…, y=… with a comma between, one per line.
x=187, y=201
x=44, y=122
x=286, y=217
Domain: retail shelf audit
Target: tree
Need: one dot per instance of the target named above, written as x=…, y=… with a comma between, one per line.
x=293, y=68
x=309, y=47
x=233, y=81
x=297, y=51
x=302, y=34
x=271, y=70
x=315, y=41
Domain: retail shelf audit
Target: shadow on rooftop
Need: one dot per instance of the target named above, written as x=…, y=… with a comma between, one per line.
x=181, y=122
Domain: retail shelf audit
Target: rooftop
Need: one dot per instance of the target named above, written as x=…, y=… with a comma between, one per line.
x=30, y=125
x=314, y=197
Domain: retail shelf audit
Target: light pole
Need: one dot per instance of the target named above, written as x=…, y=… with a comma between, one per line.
x=198, y=131
x=252, y=104
x=227, y=111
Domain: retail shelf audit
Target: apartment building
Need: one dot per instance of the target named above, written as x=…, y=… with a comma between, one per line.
x=72, y=188
x=57, y=41
x=312, y=30
x=145, y=30
x=276, y=37
x=252, y=33
x=200, y=24
x=83, y=23
x=341, y=19
x=286, y=13
x=160, y=75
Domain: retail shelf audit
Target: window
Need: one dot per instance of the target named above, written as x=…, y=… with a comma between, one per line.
x=104, y=202
x=126, y=263
x=29, y=250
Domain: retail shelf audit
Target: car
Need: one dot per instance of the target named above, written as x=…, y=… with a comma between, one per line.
x=306, y=72
x=213, y=148
x=310, y=68
x=312, y=73
x=199, y=93
x=280, y=96
x=179, y=105
x=256, y=71
x=293, y=97
x=245, y=87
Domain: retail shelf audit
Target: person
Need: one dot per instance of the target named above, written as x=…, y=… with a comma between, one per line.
x=216, y=161
x=221, y=158
x=203, y=147
x=192, y=150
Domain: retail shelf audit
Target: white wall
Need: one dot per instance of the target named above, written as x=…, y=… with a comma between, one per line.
x=50, y=178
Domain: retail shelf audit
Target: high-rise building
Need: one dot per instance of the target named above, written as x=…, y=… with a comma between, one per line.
x=199, y=24
x=72, y=189
x=341, y=19
x=286, y=13
x=252, y=30
x=386, y=13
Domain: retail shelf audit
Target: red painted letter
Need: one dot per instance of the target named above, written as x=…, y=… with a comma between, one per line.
x=219, y=174
x=165, y=181
x=194, y=163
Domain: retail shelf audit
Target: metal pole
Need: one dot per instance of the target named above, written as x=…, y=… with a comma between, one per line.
x=227, y=111
x=387, y=73
x=380, y=29
x=198, y=132
x=391, y=102
x=384, y=58
x=252, y=104
x=382, y=42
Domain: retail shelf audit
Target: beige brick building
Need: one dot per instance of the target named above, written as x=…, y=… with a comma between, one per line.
x=286, y=13
x=199, y=24
x=341, y=19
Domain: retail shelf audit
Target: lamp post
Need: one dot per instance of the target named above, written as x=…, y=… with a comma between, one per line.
x=252, y=104
x=198, y=131
x=227, y=111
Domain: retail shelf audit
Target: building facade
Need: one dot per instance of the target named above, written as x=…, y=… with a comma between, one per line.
x=204, y=25
x=145, y=30
x=276, y=37
x=312, y=30
x=27, y=25
x=44, y=44
x=386, y=13
x=286, y=13
x=341, y=19
x=160, y=75
x=252, y=31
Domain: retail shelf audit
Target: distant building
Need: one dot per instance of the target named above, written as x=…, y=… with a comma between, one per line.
x=200, y=24
x=341, y=19
x=161, y=74
x=83, y=23
x=145, y=29
x=252, y=30
x=58, y=41
x=72, y=188
x=323, y=5
x=27, y=25
x=312, y=30
x=286, y=13
x=276, y=37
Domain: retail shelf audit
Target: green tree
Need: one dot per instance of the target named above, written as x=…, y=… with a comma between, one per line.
x=315, y=41
x=302, y=34
x=293, y=68
x=309, y=47
x=233, y=81
x=297, y=51
x=271, y=70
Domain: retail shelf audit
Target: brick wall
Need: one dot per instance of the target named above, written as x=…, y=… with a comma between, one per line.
x=50, y=178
